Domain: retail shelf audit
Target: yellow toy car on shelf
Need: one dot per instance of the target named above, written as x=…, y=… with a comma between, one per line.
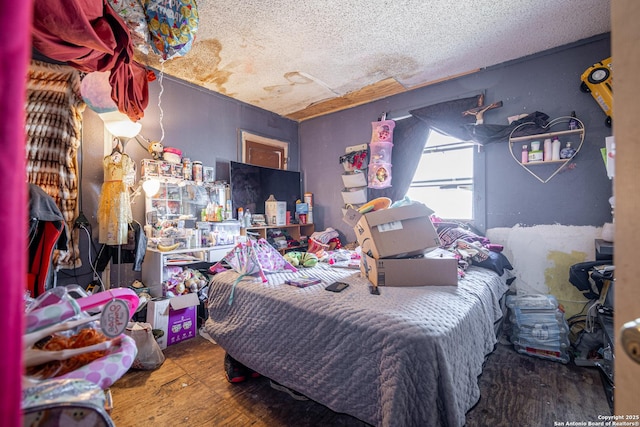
x=597, y=80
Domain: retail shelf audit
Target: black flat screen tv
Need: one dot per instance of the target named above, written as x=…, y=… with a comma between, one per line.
x=252, y=185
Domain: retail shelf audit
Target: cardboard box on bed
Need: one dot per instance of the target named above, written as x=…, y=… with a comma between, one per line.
x=435, y=268
x=396, y=232
x=175, y=316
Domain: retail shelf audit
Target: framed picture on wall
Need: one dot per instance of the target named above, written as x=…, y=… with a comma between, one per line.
x=208, y=174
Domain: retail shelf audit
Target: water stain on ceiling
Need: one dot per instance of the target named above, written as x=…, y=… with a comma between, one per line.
x=305, y=59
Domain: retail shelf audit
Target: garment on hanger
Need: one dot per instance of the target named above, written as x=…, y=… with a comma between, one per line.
x=114, y=209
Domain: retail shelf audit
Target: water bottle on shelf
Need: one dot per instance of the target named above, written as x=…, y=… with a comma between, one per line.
x=247, y=218
x=548, y=152
x=525, y=154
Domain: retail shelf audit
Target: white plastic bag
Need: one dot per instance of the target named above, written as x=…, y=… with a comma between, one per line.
x=150, y=356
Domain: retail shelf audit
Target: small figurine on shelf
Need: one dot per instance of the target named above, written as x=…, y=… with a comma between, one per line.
x=567, y=152
x=573, y=122
x=156, y=149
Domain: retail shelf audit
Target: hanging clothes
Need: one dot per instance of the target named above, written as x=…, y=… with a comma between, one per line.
x=46, y=234
x=114, y=208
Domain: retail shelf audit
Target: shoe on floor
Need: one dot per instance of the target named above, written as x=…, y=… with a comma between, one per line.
x=235, y=371
x=294, y=394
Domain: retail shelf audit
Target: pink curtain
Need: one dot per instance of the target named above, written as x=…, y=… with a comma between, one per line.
x=15, y=51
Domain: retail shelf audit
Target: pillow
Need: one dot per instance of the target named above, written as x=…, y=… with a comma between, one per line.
x=449, y=235
x=496, y=262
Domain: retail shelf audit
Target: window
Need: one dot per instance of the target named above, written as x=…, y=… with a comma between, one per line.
x=444, y=178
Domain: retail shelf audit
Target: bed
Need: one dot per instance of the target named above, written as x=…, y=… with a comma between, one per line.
x=410, y=356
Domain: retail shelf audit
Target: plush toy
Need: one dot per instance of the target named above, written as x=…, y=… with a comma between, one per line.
x=155, y=148
x=301, y=259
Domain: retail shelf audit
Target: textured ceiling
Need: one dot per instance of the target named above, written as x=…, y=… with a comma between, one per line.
x=302, y=59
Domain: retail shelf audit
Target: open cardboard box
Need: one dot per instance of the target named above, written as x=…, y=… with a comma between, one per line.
x=434, y=268
x=397, y=232
x=176, y=316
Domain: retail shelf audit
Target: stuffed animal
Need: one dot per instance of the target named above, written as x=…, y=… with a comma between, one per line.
x=155, y=148
x=301, y=259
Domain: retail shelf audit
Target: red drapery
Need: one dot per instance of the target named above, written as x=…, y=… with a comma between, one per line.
x=90, y=36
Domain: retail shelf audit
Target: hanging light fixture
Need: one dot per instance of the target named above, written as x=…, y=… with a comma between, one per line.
x=120, y=125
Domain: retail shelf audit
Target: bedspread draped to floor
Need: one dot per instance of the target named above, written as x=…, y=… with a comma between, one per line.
x=409, y=357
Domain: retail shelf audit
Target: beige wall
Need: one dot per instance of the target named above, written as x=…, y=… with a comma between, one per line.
x=625, y=37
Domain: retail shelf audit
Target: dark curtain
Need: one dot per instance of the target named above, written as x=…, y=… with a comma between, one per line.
x=409, y=137
x=532, y=124
x=447, y=118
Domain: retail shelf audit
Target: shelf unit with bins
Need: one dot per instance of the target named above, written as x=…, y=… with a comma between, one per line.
x=559, y=164
x=355, y=190
x=294, y=230
x=178, y=197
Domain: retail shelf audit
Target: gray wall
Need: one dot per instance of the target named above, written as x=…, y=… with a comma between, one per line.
x=205, y=125
x=548, y=82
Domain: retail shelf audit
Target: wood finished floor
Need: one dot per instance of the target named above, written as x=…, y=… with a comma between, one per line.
x=190, y=389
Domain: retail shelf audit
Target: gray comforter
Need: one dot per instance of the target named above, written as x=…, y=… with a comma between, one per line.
x=408, y=357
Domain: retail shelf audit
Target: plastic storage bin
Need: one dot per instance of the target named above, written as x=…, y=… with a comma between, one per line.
x=538, y=327
x=380, y=152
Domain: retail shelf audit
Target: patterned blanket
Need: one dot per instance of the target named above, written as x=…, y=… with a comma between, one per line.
x=54, y=130
x=408, y=357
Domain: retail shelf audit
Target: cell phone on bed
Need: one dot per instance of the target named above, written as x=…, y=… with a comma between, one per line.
x=337, y=287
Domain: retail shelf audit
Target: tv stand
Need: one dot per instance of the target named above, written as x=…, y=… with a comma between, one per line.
x=294, y=230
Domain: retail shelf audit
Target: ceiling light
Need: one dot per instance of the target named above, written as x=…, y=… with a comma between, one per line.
x=120, y=125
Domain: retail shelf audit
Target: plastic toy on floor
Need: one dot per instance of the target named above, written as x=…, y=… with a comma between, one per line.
x=84, y=336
